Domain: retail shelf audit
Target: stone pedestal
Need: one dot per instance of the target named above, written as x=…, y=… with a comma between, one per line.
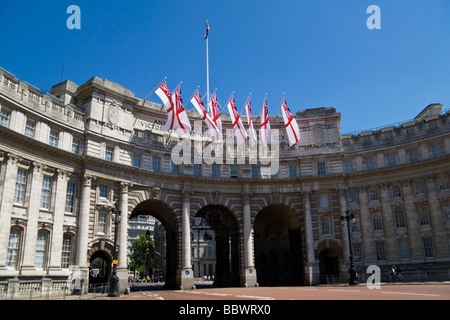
x=249, y=278
x=187, y=279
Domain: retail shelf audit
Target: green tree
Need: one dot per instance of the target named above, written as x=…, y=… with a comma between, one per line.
x=143, y=255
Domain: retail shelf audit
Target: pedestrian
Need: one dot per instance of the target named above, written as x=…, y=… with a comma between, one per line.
x=399, y=273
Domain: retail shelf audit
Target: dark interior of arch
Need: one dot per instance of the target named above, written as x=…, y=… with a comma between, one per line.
x=164, y=213
x=225, y=227
x=278, y=250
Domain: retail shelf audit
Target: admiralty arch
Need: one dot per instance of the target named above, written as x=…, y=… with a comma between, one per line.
x=68, y=156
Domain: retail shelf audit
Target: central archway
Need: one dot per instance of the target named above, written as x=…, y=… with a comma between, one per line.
x=278, y=251
x=164, y=213
x=226, y=231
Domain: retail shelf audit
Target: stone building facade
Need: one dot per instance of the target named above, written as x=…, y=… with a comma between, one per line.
x=68, y=156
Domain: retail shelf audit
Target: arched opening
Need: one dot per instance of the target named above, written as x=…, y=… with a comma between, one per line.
x=164, y=213
x=99, y=268
x=225, y=228
x=330, y=255
x=278, y=250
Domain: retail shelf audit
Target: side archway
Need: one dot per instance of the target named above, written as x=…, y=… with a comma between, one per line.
x=164, y=213
x=278, y=250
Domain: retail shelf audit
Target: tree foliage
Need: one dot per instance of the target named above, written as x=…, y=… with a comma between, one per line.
x=143, y=254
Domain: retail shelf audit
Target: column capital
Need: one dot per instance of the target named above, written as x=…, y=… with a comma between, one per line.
x=13, y=159
x=124, y=185
x=38, y=167
x=63, y=174
x=87, y=179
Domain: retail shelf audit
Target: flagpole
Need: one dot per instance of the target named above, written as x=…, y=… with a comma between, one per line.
x=207, y=67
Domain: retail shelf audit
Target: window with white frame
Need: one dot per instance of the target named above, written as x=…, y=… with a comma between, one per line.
x=419, y=187
x=442, y=182
x=377, y=221
x=30, y=128
x=326, y=226
x=399, y=219
x=53, y=138
x=323, y=200
x=21, y=182
x=46, y=192
x=13, y=247
x=101, y=223
x=428, y=249
x=5, y=117
x=70, y=197
x=423, y=215
x=66, y=254
x=403, y=249
x=373, y=194
x=76, y=144
x=396, y=191
x=321, y=168
x=109, y=153
x=103, y=190
x=41, y=249
x=379, y=249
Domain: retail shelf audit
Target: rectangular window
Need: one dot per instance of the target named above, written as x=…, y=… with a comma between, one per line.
x=413, y=156
x=70, y=197
x=351, y=196
x=442, y=183
x=320, y=168
x=396, y=191
x=175, y=169
x=399, y=219
x=234, y=171
x=197, y=170
x=103, y=190
x=419, y=187
x=30, y=128
x=357, y=252
x=101, y=224
x=53, y=139
x=215, y=171
x=137, y=160
x=21, y=182
x=46, y=192
x=370, y=164
x=256, y=172
x=323, y=200
x=5, y=116
x=428, y=249
x=377, y=222
x=379, y=247
x=403, y=249
x=437, y=151
x=41, y=248
x=66, y=251
x=348, y=167
x=292, y=172
x=390, y=160
x=155, y=164
x=109, y=153
x=13, y=247
x=76, y=146
x=373, y=194
x=424, y=219
x=325, y=222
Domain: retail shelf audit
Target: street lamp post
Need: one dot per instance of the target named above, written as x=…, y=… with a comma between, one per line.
x=116, y=217
x=350, y=218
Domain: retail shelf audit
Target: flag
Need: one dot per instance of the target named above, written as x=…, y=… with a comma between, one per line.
x=207, y=31
x=163, y=93
x=252, y=132
x=290, y=123
x=177, y=118
x=239, y=130
x=212, y=128
x=265, y=133
x=215, y=115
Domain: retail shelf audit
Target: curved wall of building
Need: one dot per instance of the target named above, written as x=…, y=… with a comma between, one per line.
x=68, y=156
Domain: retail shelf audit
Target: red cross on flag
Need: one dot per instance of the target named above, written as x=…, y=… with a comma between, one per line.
x=291, y=125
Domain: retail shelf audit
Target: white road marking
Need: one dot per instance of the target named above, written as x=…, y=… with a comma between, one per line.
x=412, y=293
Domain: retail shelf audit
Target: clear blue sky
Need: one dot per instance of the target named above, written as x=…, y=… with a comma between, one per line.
x=319, y=52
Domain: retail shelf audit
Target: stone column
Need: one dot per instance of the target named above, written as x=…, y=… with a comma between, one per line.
x=187, y=277
x=83, y=222
x=29, y=254
x=312, y=274
x=58, y=220
x=250, y=279
x=415, y=243
x=6, y=205
x=440, y=238
x=122, y=269
x=369, y=256
x=388, y=225
x=344, y=231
